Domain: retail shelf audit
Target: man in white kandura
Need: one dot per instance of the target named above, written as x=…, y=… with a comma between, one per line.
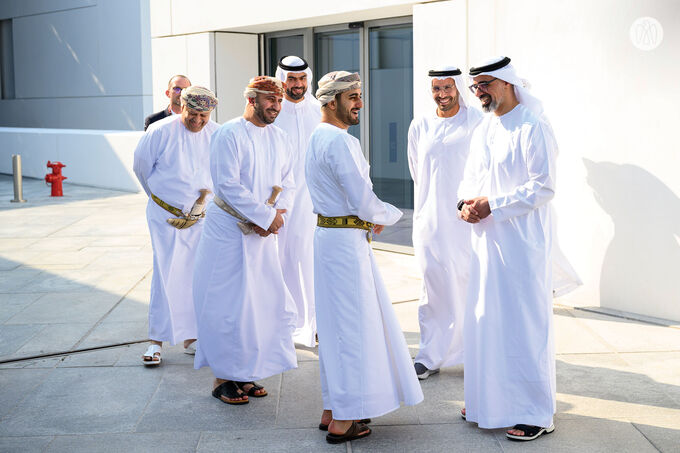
x=244, y=312
x=172, y=164
x=300, y=114
x=366, y=369
x=508, y=184
x=438, y=146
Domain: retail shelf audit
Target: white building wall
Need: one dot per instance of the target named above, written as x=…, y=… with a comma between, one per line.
x=192, y=16
x=190, y=55
x=614, y=111
x=236, y=62
x=79, y=64
x=220, y=61
x=439, y=39
x=92, y=157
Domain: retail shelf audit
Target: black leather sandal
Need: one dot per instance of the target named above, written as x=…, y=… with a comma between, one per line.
x=355, y=431
x=229, y=389
x=324, y=427
x=530, y=432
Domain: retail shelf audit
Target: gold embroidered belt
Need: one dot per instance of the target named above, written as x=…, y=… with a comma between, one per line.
x=346, y=221
x=171, y=209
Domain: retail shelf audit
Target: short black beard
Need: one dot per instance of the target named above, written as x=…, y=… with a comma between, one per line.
x=259, y=113
x=345, y=117
x=452, y=104
x=295, y=97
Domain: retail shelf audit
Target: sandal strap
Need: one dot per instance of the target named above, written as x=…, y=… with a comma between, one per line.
x=152, y=350
x=228, y=389
x=529, y=430
x=354, y=429
x=255, y=385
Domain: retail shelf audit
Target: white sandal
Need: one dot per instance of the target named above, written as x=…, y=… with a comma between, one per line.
x=151, y=354
x=191, y=349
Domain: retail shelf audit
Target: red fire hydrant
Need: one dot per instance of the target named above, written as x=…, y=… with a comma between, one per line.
x=55, y=178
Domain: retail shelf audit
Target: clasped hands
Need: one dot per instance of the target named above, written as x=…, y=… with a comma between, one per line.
x=475, y=209
x=274, y=227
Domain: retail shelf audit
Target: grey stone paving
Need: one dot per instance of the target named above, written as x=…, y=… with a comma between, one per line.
x=75, y=273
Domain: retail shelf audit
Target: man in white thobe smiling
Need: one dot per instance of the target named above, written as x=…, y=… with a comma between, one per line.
x=365, y=366
x=438, y=146
x=300, y=114
x=508, y=184
x=172, y=164
x=244, y=312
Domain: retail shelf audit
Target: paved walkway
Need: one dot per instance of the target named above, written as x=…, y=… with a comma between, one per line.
x=75, y=274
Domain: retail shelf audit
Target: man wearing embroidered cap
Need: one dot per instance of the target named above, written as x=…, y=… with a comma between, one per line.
x=171, y=163
x=300, y=114
x=244, y=312
x=508, y=184
x=365, y=365
x=438, y=146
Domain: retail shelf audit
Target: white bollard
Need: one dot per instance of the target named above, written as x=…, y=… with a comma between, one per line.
x=18, y=183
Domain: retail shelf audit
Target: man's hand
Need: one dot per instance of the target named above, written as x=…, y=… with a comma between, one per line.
x=260, y=231
x=377, y=229
x=468, y=212
x=481, y=206
x=475, y=210
x=277, y=222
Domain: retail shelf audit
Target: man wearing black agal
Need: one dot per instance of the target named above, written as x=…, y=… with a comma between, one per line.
x=175, y=86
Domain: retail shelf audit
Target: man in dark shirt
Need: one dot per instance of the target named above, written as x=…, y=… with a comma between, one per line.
x=175, y=86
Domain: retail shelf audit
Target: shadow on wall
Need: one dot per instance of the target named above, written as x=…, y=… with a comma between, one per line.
x=640, y=267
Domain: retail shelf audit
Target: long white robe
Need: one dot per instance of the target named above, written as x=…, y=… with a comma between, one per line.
x=244, y=312
x=173, y=163
x=366, y=369
x=437, y=151
x=296, y=242
x=509, y=343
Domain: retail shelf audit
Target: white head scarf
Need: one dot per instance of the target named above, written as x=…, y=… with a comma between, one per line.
x=295, y=64
x=501, y=68
x=452, y=72
x=336, y=82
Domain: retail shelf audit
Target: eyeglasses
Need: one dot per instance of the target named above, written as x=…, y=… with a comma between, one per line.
x=177, y=90
x=443, y=89
x=481, y=85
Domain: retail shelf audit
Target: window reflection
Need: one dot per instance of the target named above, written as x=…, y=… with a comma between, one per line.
x=391, y=111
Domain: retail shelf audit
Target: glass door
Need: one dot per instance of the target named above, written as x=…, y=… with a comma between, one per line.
x=390, y=61
x=282, y=46
x=381, y=51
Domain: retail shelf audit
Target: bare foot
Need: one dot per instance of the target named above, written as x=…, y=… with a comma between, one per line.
x=188, y=342
x=246, y=388
x=326, y=417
